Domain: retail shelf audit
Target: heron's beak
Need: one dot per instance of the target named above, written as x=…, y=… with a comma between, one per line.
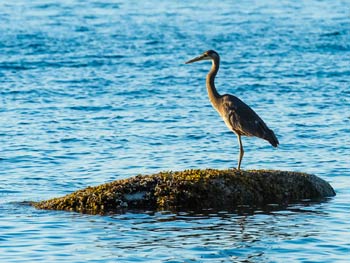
x=199, y=58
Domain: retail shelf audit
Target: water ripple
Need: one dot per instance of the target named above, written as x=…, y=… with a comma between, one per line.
x=96, y=91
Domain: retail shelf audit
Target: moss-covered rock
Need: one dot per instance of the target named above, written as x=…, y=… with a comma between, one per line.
x=194, y=189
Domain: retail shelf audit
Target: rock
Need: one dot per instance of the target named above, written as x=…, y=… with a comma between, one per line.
x=194, y=189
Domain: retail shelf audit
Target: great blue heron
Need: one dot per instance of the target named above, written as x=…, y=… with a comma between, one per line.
x=238, y=116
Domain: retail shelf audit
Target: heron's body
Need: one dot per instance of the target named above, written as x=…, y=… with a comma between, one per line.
x=237, y=115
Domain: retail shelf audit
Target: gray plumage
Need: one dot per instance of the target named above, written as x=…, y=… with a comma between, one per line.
x=238, y=116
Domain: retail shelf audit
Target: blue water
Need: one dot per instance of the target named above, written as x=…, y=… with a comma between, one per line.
x=94, y=91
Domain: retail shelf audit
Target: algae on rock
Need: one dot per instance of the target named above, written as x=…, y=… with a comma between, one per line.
x=194, y=189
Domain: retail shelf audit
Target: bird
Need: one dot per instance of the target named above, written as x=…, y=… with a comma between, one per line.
x=237, y=115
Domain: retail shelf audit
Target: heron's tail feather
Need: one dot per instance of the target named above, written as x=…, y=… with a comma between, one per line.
x=271, y=138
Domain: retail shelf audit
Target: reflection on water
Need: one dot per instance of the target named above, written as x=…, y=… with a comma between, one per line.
x=94, y=91
x=295, y=233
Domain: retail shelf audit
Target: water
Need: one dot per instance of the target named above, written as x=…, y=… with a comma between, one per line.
x=94, y=91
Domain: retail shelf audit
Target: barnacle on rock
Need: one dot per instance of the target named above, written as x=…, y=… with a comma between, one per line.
x=194, y=189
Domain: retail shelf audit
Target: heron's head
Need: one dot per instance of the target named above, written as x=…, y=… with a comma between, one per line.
x=207, y=55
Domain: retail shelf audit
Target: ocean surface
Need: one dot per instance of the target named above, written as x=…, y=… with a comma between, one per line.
x=95, y=91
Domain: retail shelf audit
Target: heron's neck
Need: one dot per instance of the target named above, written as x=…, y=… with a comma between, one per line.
x=214, y=96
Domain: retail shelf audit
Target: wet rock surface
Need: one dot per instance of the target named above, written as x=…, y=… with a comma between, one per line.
x=194, y=189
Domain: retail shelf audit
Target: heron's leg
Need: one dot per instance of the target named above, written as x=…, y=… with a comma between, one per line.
x=241, y=151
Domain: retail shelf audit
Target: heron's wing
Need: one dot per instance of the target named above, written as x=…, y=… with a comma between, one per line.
x=245, y=121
